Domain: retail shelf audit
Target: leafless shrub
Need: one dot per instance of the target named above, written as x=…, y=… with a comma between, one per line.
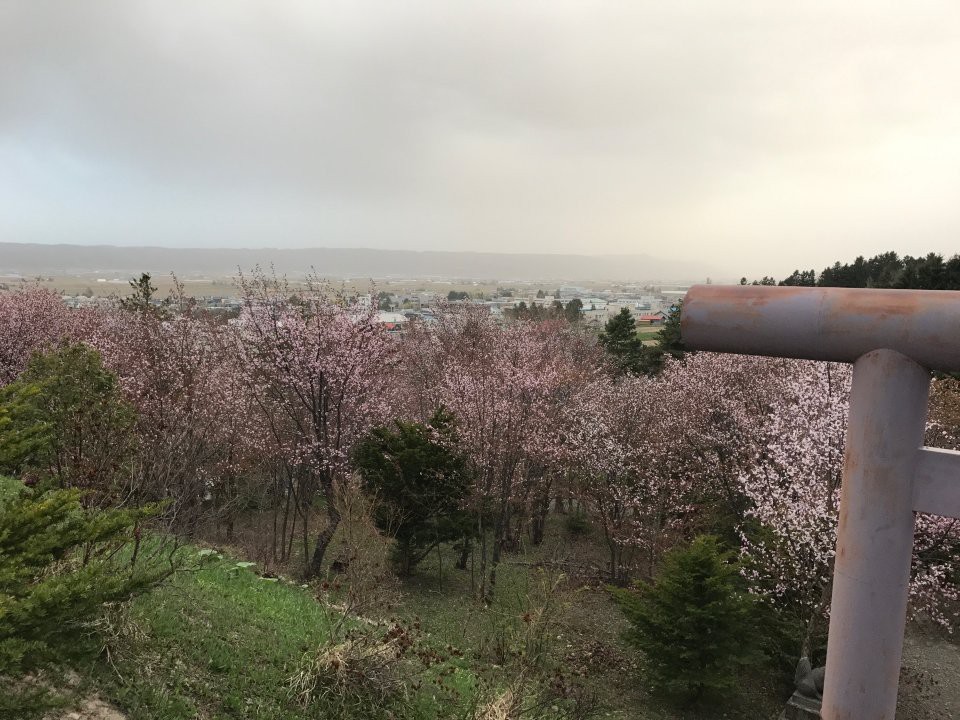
x=360, y=578
x=501, y=706
x=366, y=670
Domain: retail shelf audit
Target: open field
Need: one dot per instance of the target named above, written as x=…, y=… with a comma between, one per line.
x=225, y=285
x=648, y=335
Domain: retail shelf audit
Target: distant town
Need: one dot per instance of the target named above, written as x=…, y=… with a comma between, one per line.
x=399, y=301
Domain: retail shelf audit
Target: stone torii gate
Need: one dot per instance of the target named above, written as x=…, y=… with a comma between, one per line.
x=893, y=338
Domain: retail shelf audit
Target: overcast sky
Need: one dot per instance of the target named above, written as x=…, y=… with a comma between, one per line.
x=756, y=136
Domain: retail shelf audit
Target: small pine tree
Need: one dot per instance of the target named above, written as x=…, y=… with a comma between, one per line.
x=619, y=339
x=694, y=625
x=141, y=298
x=63, y=425
x=668, y=339
x=60, y=565
x=573, y=310
x=668, y=343
x=420, y=485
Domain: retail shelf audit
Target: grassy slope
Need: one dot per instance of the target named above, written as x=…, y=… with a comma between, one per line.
x=220, y=642
x=215, y=642
x=585, y=634
x=586, y=638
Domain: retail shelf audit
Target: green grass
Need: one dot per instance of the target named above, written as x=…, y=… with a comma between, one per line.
x=649, y=335
x=584, y=641
x=217, y=642
x=222, y=642
x=586, y=638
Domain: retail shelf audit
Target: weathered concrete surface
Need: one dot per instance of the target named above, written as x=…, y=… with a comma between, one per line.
x=838, y=324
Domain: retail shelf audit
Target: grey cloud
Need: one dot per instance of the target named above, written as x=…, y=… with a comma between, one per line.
x=703, y=129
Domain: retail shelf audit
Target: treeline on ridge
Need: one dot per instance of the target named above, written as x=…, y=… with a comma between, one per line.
x=886, y=270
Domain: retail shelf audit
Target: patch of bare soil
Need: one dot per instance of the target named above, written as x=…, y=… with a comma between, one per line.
x=930, y=680
x=93, y=708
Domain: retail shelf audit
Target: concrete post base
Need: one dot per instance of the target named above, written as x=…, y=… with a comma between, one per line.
x=801, y=708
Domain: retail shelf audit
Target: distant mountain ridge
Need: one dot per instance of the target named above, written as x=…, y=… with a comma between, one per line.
x=35, y=258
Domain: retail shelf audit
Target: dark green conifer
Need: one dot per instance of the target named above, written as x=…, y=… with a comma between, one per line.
x=694, y=624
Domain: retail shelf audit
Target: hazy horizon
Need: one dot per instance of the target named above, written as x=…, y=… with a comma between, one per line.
x=75, y=260
x=752, y=139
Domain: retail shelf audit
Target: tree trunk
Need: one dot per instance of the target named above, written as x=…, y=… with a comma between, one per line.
x=326, y=535
x=494, y=561
x=439, y=567
x=482, y=574
x=514, y=540
x=816, y=617
x=540, y=519
x=406, y=558
x=320, y=547
x=465, y=548
x=500, y=529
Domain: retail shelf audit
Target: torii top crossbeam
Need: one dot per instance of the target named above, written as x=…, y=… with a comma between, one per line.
x=838, y=324
x=894, y=338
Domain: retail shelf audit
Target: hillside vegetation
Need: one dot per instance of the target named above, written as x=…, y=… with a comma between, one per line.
x=298, y=515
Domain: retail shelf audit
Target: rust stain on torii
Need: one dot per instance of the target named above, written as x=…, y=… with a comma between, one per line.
x=893, y=338
x=838, y=324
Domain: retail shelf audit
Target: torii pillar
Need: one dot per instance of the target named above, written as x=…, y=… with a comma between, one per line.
x=893, y=338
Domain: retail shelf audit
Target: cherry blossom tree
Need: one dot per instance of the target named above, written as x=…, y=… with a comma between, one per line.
x=505, y=387
x=659, y=458
x=793, y=484
x=609, y=425
x=31, y=319
x=712, y=409
x=195, y=422
x=318, y=372
x=934, y=587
